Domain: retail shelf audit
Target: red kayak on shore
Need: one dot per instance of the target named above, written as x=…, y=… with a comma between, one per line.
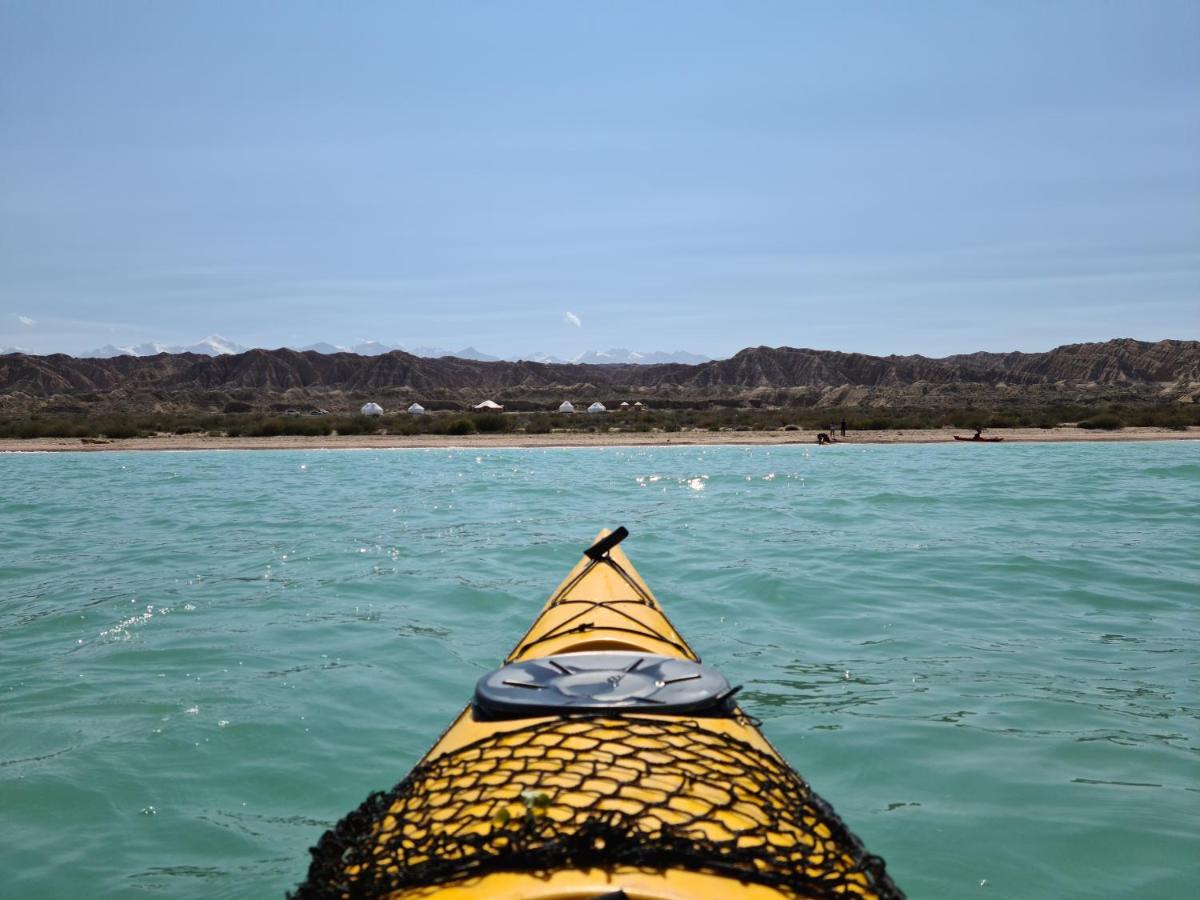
x=979, y=440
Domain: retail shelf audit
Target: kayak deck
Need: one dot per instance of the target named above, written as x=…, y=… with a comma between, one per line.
x=655, y=805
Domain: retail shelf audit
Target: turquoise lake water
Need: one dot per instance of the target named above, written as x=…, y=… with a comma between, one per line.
x=986, y=658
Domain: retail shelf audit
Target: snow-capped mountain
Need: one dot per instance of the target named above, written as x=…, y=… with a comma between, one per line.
x=464, y=353
x=375, y=348
x=216, y=345
x=108, y=351
x=213, y=345
x=372, y=348
x=320, y=347
x=153, y=348
x=477, y=355
x=621, y=355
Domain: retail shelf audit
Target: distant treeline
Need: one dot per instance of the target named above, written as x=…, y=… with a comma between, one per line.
x=258, y=424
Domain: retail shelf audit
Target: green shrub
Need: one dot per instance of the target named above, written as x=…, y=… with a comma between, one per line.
x=268, y=428
x=969, y=419
x=1174, y=416
x=275, y=426
x=1004, y=420
x=120, y=430
x=489, y=424
x=1104, y=422
x=355, y=425
x=308, y=427
x=799, y=413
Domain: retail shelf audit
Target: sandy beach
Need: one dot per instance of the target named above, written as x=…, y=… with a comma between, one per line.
x=577, y=439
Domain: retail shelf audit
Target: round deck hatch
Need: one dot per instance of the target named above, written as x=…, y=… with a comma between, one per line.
x=602, y=682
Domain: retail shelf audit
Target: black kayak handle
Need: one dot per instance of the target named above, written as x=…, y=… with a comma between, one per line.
x=600, y=549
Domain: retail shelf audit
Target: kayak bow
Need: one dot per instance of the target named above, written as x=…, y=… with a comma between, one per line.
x=602, y=760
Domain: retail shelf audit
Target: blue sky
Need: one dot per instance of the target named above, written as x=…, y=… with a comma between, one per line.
x=877, y=177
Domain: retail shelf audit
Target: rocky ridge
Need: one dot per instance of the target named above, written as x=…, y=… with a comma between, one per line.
x=1122, y=369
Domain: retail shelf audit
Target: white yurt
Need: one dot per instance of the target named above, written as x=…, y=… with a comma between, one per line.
x=416, y=410
x=624, y=406
x=489, y=406
x=639, y=405
x=597, y=407
x=566, y=407
x=371, y=409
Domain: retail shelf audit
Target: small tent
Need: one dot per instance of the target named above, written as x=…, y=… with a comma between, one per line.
x=624, y=406
x=597, y=407
x=416, y=410
x=639, y=405
x=489, y=406
x=566, y=407
x=371, y=409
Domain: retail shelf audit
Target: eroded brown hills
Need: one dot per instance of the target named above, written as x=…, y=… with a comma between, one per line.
x=1116, y=370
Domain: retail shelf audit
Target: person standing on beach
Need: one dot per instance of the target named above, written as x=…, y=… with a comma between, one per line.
x=843, y=427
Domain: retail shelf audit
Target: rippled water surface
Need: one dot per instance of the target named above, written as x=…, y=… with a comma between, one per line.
x=984, y=657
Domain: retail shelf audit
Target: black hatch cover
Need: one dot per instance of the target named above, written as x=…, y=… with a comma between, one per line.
x=602, y=682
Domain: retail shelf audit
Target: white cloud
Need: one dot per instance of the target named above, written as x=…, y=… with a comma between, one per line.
x=572, y=319
x=26, y=321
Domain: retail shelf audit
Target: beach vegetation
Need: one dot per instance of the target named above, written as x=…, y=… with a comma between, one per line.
x=402, y=425
x=77, y=421
x=489, y=424
x=1105, y=421
x=354, y=425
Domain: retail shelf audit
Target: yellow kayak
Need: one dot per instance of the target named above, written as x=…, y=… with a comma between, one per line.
x=601, y=760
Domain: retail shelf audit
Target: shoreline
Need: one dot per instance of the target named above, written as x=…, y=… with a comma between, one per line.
x=563, y=440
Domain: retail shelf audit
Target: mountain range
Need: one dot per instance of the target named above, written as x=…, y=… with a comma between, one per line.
x=216, y=345
x=213, y=345
x=1112, y=371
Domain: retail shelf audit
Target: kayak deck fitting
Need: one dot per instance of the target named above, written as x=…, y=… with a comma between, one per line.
x=602, y=760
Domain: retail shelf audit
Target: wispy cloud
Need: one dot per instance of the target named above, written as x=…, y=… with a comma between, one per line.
x=26, y=321
x=572, y=319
